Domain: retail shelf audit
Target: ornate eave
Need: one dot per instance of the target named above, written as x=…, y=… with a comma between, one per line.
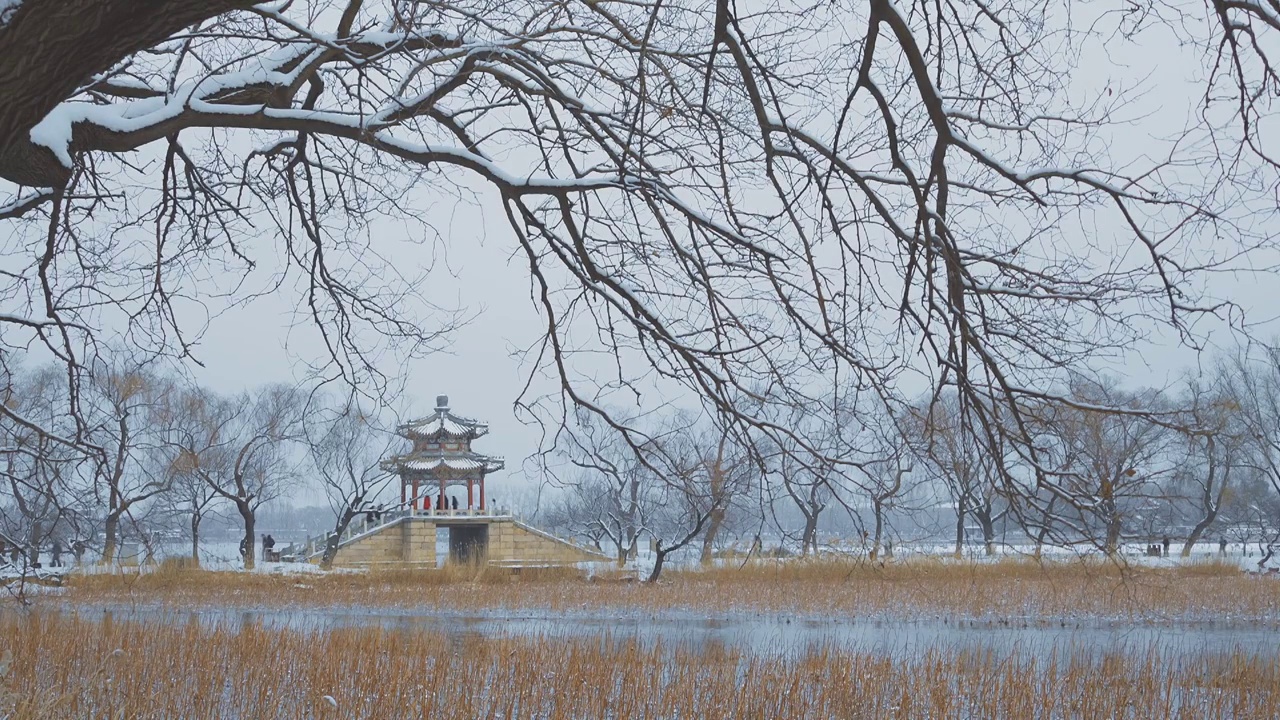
x=432, y=461
x=443, y=424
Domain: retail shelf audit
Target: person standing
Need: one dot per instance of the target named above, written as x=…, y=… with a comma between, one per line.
x=56, y=554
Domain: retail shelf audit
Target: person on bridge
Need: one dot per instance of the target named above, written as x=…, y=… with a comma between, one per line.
x=455, y=503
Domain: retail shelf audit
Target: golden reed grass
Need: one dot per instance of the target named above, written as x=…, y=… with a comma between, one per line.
x=59, y=666
x=1004, y=590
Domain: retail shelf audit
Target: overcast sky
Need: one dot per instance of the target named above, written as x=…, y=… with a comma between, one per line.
x=252, y=345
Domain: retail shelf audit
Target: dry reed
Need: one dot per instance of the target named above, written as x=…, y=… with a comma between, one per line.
x=62, y=666
x=988, y=591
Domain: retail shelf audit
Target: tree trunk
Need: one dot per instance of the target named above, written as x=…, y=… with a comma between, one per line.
x=960, y=514
x=331, y=545
x=660, y=556
x=1210, y=513
x=110, y=528
x=988, y=532
x=1197, y=531
x=875, y=540
x=1111, y=517
x=34, y=543
x=1044, y=527
x=195, y=538
x=633, y=511
x=1113, y=535
x=246, y=514
x=714, y=521
x=809, y=538
x=50, y=47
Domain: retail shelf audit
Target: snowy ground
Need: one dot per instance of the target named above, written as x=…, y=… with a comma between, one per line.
x=224, y=556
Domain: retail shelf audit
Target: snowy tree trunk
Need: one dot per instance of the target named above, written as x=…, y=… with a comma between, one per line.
x=988, y=532
x=51, y=47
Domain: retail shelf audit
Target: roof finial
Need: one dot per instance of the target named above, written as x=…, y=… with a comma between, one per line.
x=442, y=402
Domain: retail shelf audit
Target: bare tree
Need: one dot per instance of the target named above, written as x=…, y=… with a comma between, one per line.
x=45, y=472
x=882, y=481
x=615, y=487
x=585, y=508
x=686, y=456
x=346, y=445
x=731, y=469
x=125, y=409
x=963, y=462
x=238, y=448
x=1108, y=463
x=191, y=426
x=715, y=194
x=1215, y=443
x=189, y=499
x=1254, y=377
x=808, y=486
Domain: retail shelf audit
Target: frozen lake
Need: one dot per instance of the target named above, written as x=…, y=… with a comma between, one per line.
x=759, y=635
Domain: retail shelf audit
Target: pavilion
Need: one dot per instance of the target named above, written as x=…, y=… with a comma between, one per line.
x=442, y=457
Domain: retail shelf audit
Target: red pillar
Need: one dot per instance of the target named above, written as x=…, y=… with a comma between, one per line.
x=415, y=494
x=470, y=497
x=481, y=492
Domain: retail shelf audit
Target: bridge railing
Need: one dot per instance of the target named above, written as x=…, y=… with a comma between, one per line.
x=365, y=522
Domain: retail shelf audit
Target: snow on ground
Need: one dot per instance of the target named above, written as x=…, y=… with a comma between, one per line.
x=224, y=556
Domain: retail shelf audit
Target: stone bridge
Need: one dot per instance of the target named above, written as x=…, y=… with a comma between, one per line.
x=409, y=540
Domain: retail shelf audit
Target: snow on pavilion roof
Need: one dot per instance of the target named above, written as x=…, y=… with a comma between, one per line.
x=429, y=461
x=444, y=422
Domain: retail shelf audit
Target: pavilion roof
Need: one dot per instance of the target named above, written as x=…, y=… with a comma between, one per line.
x=432, y=460
x=443, y=422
